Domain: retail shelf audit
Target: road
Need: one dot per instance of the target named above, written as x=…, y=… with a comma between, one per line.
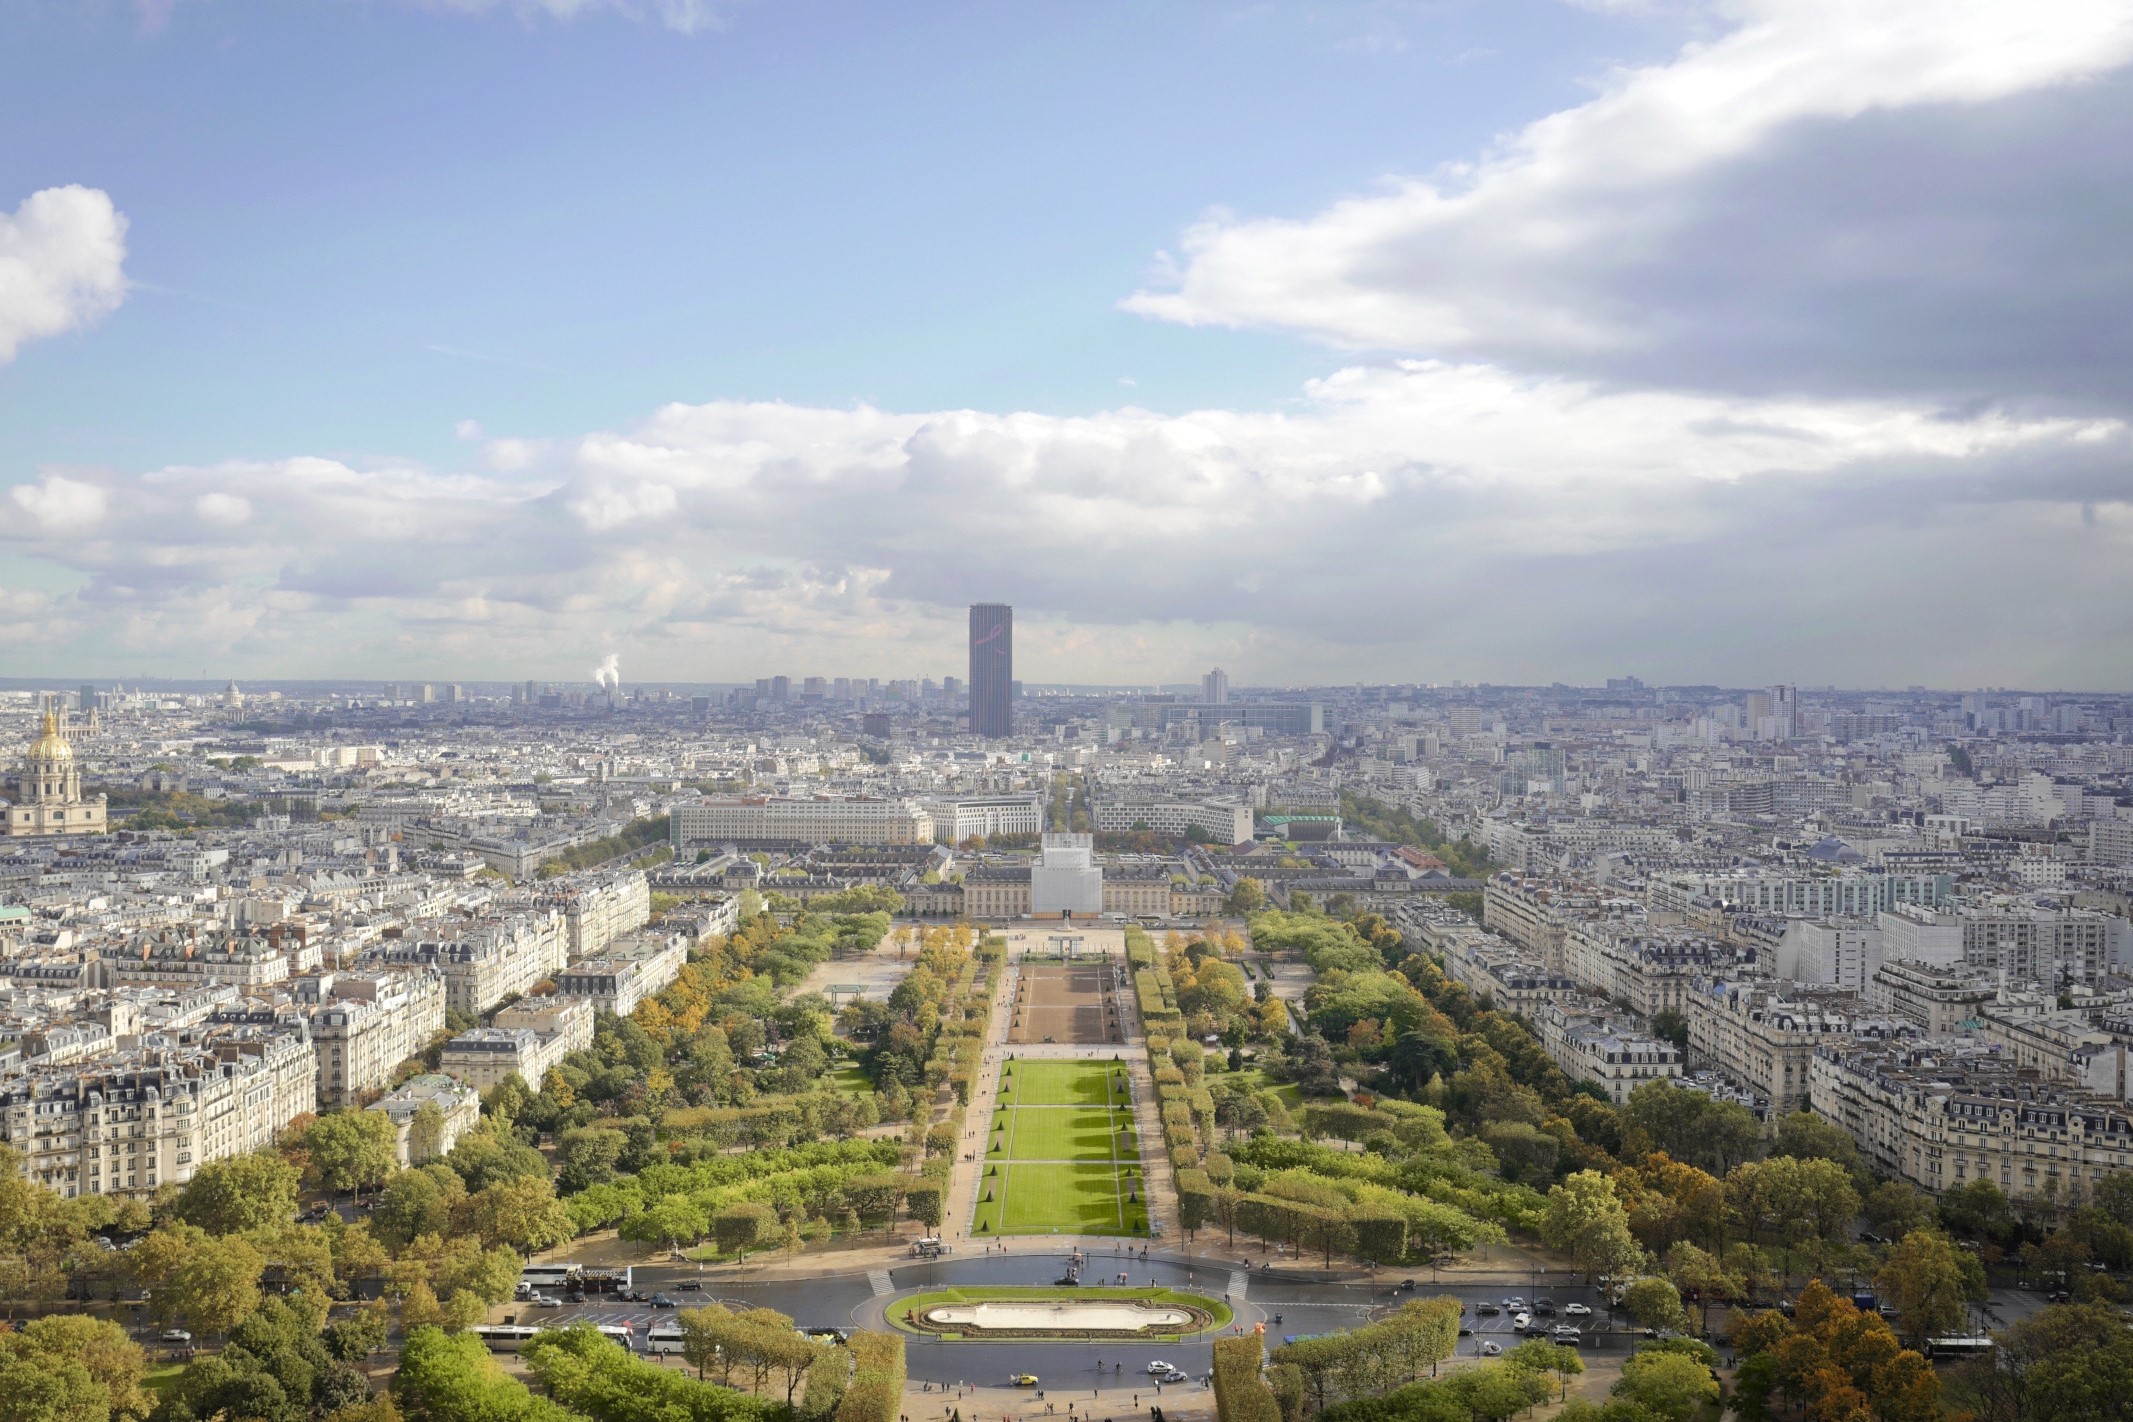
x=1303, y=1305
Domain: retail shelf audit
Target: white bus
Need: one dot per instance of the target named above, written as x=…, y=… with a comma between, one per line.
x=616, y=1333
x=505, y=1337
x=666, y=1338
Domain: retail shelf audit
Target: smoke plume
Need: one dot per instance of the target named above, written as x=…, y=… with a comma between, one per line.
x=609, y=673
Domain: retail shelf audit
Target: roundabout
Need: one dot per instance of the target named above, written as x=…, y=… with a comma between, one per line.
x=981, y=1314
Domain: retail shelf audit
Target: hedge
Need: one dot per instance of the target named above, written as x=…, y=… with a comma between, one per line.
x=876, y=1392
x=1241, y=1395
x=1196, y=1200
x=1380, y=1238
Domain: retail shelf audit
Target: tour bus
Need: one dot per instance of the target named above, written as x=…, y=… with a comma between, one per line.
x=665, y=1338
x=547, y=1279
x=505, y=1337
x=617, y=1333
x=1958, y=1347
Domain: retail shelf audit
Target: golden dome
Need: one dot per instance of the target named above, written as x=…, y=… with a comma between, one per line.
x=51, y=745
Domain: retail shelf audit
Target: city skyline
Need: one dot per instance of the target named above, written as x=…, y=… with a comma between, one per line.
x=1422, y=343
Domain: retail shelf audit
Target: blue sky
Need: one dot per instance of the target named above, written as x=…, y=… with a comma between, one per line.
x=1371, y=340
x=925, y=206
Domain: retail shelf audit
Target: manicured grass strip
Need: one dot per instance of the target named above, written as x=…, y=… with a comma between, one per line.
x=1060, y=1083
x=1071, y=1133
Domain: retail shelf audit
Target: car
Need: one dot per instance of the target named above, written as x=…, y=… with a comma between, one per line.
x=663, y=1301
x=545, y=1301
x=1577, y=1310
x=1068, y=1280
x=689, y=1285
x=1545, y=1307
x=576, y=1296
x=1520, y=1320
x=1023, y=1380
x=1491, y=1350
x=1867, y=1236
x=1157, y=1368
x=1514, y=1302
x=2059, y=1296
x=1564, y=1334
x=176, y=1335
x=1465, y=1332
x=1174, y=1376
x=1487, y=1310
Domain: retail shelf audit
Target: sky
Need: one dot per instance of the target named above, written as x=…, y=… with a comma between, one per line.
x=1390, y=340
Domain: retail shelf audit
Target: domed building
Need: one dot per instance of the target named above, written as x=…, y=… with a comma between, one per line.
x=44, y=797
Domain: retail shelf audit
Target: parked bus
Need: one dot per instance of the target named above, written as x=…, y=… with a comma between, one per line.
x=617, y=1333
x=665, y=1338
x=505, y=1337
x=606, y=1281
x=548, y=1279
x=1959, y=1347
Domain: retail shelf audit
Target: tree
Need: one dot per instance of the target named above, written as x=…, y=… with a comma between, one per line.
x=425, y=1133
x=1667, y=1385
x=353, y=1150
x=1655, y=1304
x=425, y=1200
x=1584, y=1219
x=244, y=1192
x=1540, y=1356
x=1806, y=1136
x=1896, y=1207
x=1670, y=1026
x=1931, y=1284
x=69, y=1366
x=521, y=1214
x=215, y=1287
x=1702, y=1274
x=1246, y=897
x=1690, y=1126
x=356, y=1336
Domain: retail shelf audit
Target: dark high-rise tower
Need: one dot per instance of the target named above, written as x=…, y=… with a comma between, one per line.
x=992, y=669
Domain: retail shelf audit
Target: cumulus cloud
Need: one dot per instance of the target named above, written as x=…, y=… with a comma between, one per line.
x=62, y=264
x=1915, y=197
x=1423, y=518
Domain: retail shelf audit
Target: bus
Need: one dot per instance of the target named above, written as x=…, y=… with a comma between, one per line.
x=617, y=1333
x=505, y=1337
x=666, y=1338
x=1959, y=1347
x=548, y=1279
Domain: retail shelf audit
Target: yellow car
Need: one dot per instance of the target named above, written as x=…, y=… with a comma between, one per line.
x=1024, y=1379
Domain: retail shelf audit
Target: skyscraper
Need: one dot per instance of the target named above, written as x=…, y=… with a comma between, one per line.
x=992, y=669
x=1214, y=688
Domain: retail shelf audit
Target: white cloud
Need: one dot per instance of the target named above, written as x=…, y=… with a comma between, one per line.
x=1422, y=519
x=1910, y=195
x=62, y=264
x=60, y=505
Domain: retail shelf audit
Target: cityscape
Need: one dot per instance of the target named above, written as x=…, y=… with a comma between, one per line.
x=810, y=712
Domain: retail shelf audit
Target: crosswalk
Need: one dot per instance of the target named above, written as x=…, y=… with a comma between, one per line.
x=1238, y=1279
x=879, y=1278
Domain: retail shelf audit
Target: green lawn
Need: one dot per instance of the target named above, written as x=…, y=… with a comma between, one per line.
x=1067, y=1133
x=1060, y=1199
x=851, y=1078
x=1047, y=1083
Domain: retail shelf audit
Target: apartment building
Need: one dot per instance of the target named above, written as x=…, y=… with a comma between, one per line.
x=818, y=820
x=1536, y=913
x=1512, y=978
x=1649, y=972
x=185, y=957
x=1760, y=1034
x=629, y=971
x=458, y=1111
x=598, y=909
x=1857, y=894
x=527, y=1039
x=483, y=961
x=129, y=1125
x=1591, y=1042
x=1941, y=998
x=2031, y=944
x=365, y=1025
x=1942, y=1112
